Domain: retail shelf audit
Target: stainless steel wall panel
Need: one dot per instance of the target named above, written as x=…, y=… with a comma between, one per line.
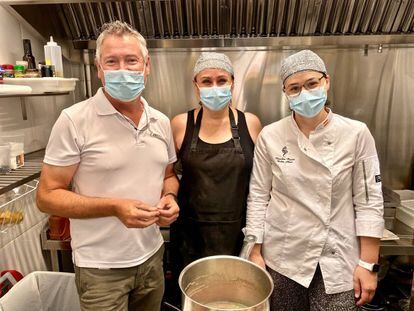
x=375, y=89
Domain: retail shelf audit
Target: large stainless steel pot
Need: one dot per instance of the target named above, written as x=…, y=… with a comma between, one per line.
x=222, y=282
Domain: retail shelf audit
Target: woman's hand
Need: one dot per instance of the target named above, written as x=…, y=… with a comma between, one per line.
x=256, y=256
x=365, y=284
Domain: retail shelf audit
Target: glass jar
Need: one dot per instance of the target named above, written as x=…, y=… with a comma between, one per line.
x=32, y=73
x=8, y=71
x=1, y=74
x=19, y=71
x=22, y=63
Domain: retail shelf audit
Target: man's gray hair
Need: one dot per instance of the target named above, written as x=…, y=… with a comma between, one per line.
x=118, y=28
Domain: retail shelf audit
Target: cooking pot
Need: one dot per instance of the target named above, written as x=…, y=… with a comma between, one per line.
x=226, y=283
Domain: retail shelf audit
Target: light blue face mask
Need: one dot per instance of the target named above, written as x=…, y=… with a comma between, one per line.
x=215, y=98
x=124, y=85
x=308, y=103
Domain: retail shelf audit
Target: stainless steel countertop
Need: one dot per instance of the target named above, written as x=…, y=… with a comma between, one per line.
x=403, y=246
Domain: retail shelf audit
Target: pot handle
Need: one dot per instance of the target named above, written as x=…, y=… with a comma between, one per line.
x=248, y=243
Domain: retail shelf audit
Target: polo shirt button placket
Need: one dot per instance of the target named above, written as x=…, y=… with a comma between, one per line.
x=137, y=138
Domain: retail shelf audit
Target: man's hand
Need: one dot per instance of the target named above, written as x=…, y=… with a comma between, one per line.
x=365, y=284
x=136, y=214
x=168, y=209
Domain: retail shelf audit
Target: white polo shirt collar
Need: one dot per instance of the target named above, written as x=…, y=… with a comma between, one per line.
x=105, y=108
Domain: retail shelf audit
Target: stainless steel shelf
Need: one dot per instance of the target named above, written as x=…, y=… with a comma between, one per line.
x=20, y=176
x=23, y=98
x=34, y=94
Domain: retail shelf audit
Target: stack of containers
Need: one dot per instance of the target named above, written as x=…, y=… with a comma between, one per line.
x=405, y=211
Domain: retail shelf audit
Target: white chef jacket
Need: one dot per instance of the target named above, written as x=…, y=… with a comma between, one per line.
x=311, y=197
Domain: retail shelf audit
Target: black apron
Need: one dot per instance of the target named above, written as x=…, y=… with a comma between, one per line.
x=212, y=195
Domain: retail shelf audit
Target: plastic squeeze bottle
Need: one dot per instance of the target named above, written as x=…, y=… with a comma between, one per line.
x=53, y=56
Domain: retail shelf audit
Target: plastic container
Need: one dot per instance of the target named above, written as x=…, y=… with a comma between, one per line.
x=32, y=73
x=16, y=143
x=19, y=71
x=8, y=279
x=42, y=291
x=16, y=155
x=8, y=71
x=47, y=71
x=45, y=85
x=59, y=228
x=405, y=215
x=53, y=56
x=4, y=158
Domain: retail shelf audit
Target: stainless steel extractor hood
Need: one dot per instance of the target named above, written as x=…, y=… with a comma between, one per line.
x=187, y=23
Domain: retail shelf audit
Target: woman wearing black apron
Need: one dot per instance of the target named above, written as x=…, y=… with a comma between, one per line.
x=215, y=149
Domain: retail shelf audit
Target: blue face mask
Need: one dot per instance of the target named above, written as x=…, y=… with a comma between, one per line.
x=215, y=98
x=308, y=103
x=124, y=85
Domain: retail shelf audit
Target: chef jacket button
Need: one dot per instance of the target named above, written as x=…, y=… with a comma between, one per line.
x=333, y=252
x=305, y=149
x=329, y=143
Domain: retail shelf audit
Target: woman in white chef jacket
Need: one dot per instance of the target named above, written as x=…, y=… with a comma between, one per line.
x=315, y=201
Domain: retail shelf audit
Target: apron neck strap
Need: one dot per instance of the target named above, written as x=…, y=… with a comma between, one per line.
x=233, y=126
x=235, y=132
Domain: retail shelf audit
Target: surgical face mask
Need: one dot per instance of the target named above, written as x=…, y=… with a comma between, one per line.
x=215, y=98
x=124, y=85
x=308, y=103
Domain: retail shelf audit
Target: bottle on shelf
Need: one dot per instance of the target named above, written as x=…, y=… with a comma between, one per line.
x=53, y=57
x=28, y=56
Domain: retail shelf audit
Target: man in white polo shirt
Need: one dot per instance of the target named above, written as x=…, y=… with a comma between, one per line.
x=108, y=167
